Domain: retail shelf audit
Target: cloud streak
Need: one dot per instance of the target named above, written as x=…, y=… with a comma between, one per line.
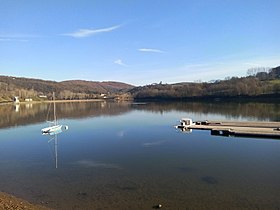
x=151, y=50
x=12, y=40
x=120, y=62
x=81, y=33
x=17, y=37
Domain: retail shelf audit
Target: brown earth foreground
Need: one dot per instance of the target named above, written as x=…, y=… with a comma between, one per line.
x=9, y=202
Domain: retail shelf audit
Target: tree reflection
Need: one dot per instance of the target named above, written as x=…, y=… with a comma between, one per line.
x=258, y=111
x=22, y=115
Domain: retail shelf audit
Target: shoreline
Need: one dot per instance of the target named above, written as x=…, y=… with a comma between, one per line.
x=66, y=101
x=51, y=101
x=10, y=202
x=240, y=99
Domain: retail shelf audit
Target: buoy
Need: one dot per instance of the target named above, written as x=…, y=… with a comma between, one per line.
x=159, y=205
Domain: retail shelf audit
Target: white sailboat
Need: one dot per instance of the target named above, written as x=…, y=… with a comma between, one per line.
x=53, y=131
x=55, y=128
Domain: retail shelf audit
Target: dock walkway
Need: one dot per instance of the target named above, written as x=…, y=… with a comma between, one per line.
x=235, y=128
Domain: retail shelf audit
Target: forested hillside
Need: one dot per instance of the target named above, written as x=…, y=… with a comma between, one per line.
x=258, y=83
x=73, y=89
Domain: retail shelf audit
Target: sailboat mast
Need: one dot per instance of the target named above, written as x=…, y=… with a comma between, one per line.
x=55, y=136
x=54, y=112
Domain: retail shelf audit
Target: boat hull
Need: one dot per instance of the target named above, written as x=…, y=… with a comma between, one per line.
x=52, y=130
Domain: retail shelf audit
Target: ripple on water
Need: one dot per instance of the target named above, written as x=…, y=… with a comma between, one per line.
x=209, y=180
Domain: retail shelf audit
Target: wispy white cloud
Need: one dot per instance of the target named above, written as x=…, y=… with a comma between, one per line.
x=214, y=70
x=17, y=37
x=251, y=64
x=81, y=33
x=120, y=62
x=150, y=50
x=12, y=40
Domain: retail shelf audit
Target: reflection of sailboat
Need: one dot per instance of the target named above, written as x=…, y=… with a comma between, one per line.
x=16, y=106
x=55, y=128
x=55, y=148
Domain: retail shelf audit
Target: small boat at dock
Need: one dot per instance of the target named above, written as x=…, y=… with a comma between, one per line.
x=233, y=128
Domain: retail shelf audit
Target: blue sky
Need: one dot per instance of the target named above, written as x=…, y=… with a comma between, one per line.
x=137, y=41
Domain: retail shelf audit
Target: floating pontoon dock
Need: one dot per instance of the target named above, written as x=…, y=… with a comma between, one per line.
x=234, y=128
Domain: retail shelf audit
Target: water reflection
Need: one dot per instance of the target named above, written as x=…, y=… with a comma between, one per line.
x=53, y=140
x=96, y=164
x=184, y=129
x=128, y=156
x=14, y=115
x=11, y=115
x=16, y=107
x=231, y=110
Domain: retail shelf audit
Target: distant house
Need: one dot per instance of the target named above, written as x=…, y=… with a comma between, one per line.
x=28, y=99
x=16, y=100
x=102, y=95
x=42, y=96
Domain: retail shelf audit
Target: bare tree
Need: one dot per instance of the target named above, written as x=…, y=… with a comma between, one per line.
x=254, y=70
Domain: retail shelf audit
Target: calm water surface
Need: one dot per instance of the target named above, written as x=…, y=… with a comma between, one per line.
x=129, y=156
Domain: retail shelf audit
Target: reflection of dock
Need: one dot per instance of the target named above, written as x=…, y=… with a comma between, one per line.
x=233, y=128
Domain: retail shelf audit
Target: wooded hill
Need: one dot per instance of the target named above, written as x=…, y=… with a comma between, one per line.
x=260, y=83
x=73, y=89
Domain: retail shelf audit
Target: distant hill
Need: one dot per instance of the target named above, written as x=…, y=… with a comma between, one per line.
x=94, y=87
x=260, y=84
x=72, y=89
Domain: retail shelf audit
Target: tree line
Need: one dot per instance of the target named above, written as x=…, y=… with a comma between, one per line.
x=259, y=82
x=67, y=90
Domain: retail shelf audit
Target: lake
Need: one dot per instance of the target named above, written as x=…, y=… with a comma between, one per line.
x=130, y=156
